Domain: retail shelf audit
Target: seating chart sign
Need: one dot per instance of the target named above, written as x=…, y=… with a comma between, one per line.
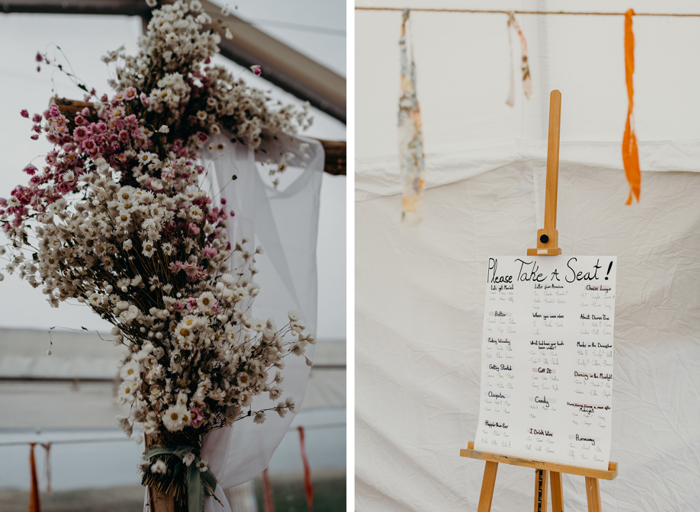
x=547, y=359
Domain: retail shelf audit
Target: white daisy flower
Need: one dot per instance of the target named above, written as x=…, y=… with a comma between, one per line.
x=145, y=157
x=130, y=370
x=95, y=300
x=291, y=405
x=281, y=409
x=159, y=467
x=206, y=302
x=167, y=248
x=148, y=248
x=176, y=417
x=217, y=394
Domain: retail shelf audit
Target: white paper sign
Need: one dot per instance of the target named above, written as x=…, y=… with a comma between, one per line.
x=547, y=359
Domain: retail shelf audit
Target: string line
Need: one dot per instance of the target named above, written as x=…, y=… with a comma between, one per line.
x=565, y=13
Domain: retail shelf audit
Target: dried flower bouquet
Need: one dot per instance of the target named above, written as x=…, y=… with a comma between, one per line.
x=114, y=217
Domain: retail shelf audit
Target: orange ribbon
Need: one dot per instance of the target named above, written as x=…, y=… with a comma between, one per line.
x=34, y=498
x=630, y=156
x=307, y=471
x=268, y=500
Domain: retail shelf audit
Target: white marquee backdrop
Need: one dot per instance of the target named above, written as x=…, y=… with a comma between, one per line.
x=419, y=295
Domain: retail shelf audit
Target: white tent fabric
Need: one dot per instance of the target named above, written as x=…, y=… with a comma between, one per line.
x=285, y=222
x=419, y=293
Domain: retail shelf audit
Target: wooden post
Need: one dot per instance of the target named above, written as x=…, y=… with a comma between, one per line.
x=593, y=494
x=159, y=502
x=541, y=476
x=557, y=491
x=487, y=486
x=548, y=237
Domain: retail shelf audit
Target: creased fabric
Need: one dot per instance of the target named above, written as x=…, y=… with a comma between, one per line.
x=419, y=315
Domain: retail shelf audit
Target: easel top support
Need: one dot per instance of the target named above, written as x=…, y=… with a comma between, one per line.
x=548, y=237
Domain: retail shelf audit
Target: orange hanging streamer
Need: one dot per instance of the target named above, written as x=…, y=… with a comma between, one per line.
x=630, y=156
x=34, y=499
x=268, y=500
x=307, y=471
x=47, y=447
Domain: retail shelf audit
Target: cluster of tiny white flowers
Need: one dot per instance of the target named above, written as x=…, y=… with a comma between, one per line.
x=155, y=265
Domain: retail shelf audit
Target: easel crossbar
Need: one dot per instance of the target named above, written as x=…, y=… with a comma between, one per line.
x=471, y=453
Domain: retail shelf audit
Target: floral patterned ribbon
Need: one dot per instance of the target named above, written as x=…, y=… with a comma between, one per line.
x=199, y=483
x=630, y=155
x=527, y=81
x=411, y=156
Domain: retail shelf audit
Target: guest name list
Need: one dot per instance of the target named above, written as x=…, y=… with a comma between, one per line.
x=547, y=359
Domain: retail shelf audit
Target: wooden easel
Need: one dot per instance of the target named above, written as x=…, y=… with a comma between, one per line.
x=547, y=245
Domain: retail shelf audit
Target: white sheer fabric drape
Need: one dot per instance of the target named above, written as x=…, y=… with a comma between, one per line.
x=284, y=221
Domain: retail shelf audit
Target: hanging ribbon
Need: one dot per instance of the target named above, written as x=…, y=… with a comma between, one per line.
x=268, y=501
x=34, y=497
x=307, y=471
x=630, y=155
x=199, y=483
x=527, y=81
x=47, y=447
x=411, y=157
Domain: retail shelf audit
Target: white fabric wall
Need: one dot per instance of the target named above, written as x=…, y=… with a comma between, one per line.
x=420, y=293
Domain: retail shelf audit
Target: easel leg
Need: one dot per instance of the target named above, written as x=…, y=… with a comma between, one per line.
x=487, y=486
x=541, y=476
x=593, y=494
x=557, y=492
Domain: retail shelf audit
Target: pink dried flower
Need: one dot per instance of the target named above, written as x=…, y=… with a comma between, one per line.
x=80, y=133
x=197, y=417
x=24, y=112
x=256, y=69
